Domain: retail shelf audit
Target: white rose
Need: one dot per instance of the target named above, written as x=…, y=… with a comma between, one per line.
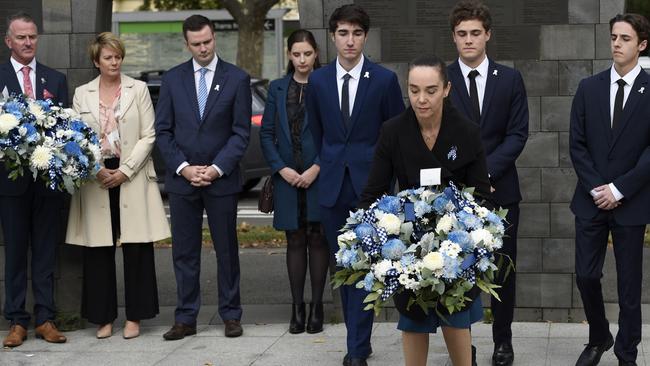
x=7, y=122
x=484, y=236
x=381, y=268
x=390, y=223
x=445, y=223
x=433, y=261
x=41, y=157
x=36, y=110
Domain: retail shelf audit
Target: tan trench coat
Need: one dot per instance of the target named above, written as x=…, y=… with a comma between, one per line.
x=142, y=215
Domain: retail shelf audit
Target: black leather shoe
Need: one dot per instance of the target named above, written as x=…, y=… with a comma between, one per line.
x=347, y=361
x=626, y=363
x=592, y=353
x=297, y=324
x=233, y=328
x=179, y=331
x=473, y=355
x=315, y=322
x=503, y=354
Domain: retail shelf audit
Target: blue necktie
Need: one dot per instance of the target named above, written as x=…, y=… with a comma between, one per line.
x=203, y=91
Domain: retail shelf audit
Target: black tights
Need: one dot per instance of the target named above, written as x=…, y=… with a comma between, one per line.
x=298, y=241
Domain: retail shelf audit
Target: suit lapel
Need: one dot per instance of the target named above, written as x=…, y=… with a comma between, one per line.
x=218, y=84
x=458, y=84
x=603, y=101
x=283, y=121
x=364, y=83
x=92, y=99
x=491, y=80
x=127, y=94
x=630, y=105
x=10, y=78
x=190, y=89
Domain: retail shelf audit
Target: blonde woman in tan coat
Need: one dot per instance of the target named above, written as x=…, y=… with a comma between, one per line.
x=122, y=207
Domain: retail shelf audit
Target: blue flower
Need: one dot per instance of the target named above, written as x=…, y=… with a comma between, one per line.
x=461, y=238
x=77, y=125
x=483, y=264
x=45, y=105
x=393, y=249
x=440, y=203
x=13, y=107
x=368, y=281
x=390, y=204
x=407, y=260
x=468, y=220
x=451, y=268
x=364, y=229
x=72, y=148
x=421, y=208
x=348, y=257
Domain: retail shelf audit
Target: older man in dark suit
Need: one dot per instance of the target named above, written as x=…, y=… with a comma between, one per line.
x=203, y=122
x=493, y=96
x=30, y=212
x=610, y=150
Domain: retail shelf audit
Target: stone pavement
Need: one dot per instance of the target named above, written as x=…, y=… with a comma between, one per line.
x=270, y=344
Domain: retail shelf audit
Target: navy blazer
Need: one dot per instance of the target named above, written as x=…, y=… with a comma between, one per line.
x=504, y=124
x=277, y=146
x=378, y=99
x=621, y=156
x=220, y=138
x=46, y=79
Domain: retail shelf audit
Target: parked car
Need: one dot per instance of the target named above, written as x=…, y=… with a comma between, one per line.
x=253, y=165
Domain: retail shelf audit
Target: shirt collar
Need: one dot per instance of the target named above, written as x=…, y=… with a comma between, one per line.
x=17, y=65
x=482, y=68
x=211, y=66
x=629, y=77
x=355, y=72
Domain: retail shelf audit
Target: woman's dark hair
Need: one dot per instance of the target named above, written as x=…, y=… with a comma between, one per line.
x=638, y=22
x=431, y=61
x=195, y=23
x=470, y=10
x=350, y=13
x=301, y=35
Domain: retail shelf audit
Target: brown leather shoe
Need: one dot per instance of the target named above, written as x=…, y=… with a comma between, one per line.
x=179, y=331
x=48, y=332
x=233, y=328
x=17, y=334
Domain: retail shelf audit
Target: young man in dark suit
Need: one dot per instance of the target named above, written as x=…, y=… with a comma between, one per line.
x=203, y=120
x=610, y=150
x=493, y=96
x=366, y=95
x=30, y=212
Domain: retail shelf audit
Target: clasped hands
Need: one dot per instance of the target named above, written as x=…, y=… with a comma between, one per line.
x=604, y=198
x=110, y=178
x=200, y=175
x=303, y=180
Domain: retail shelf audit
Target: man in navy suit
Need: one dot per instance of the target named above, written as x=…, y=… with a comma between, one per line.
x=366, y=95
x=203, y=122
x=30, y=212
x=610, y=150
x=493, y=96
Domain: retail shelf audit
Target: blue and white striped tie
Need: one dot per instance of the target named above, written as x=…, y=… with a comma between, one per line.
x=203, y=91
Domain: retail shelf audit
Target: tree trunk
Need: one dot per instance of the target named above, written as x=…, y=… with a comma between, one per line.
x=250, y=45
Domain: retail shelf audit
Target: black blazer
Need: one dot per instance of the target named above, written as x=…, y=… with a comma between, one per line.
x=402, y=152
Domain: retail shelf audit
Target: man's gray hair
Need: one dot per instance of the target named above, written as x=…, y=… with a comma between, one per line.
x=21, y=15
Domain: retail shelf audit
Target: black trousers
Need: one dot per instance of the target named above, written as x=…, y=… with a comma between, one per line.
x=503, y=310
x=99, y=295
x=591, y=248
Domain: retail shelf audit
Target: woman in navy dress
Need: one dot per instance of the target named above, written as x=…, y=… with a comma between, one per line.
x=290, y=152
x=430, y=134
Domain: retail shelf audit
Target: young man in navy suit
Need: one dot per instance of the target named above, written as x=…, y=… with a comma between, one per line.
x=203, y=120
x=610, y=150
x=493, y=96
x=366, y=95
x=30, y=212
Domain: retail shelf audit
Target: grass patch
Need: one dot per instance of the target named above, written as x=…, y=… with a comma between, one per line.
x=249, y=236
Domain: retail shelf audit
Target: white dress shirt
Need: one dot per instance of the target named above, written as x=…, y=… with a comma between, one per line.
x=209, y=76
x=353, y=83
x=481, y=78
x=19, y=73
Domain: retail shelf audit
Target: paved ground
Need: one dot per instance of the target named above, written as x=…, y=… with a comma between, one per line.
x=269, y=344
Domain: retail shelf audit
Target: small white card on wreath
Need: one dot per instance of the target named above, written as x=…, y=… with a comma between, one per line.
x=430, y=177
